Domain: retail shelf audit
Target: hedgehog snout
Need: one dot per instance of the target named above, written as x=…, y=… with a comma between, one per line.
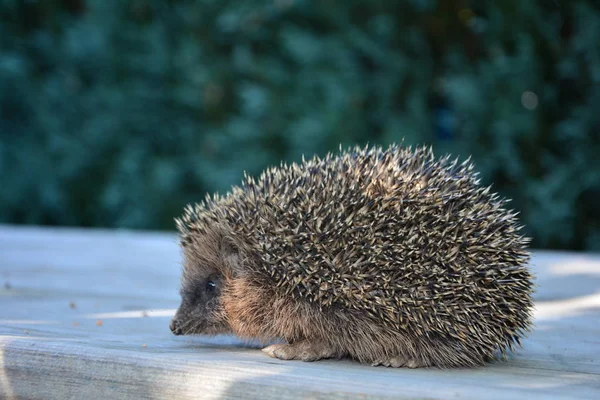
x=178, y=322
x=175, y=327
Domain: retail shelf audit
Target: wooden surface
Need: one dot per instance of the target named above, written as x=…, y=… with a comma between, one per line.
x=84, y=315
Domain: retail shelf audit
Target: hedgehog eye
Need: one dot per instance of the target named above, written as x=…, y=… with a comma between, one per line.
x=211, y=286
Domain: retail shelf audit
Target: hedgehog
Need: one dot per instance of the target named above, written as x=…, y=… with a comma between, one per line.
x=387, y=256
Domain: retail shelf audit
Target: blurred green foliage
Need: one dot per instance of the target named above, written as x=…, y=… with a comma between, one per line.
x=118, y=113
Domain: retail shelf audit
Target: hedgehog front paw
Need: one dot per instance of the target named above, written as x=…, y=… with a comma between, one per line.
x=399, y=361
x=304, y=350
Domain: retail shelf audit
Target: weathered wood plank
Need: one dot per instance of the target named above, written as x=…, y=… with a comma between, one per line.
x=52, y=349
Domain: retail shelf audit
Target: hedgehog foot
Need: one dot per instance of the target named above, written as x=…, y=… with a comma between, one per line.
x=303, y=350
x=399, y=361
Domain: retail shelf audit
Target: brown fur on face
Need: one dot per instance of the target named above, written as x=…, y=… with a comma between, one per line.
x=208, y=267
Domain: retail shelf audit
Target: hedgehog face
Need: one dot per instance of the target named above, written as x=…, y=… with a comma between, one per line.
x=200, y=310
x=206, y=274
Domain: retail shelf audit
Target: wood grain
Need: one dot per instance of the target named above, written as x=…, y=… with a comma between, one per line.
x=84, y=314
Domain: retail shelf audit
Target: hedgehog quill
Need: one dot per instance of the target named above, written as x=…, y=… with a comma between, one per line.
x=388, y=256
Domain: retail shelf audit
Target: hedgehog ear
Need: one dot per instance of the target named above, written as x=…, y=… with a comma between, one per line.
x=231, y=254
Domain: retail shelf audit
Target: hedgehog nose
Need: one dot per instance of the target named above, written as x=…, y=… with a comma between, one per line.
x=175, y=328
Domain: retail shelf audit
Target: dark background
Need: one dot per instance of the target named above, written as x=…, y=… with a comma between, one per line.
x=118, y=113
